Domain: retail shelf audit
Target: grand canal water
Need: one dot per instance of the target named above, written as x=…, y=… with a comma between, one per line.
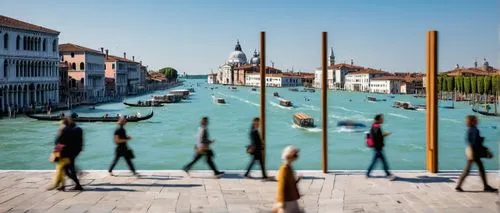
x=166, y=141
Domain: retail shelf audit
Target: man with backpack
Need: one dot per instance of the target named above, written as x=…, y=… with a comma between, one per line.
x=375, y=140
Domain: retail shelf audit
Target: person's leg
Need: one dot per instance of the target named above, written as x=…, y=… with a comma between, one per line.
x=59, y=175
x=211, y=163
x=384, y=163
x=129, y=163
x=372, y=164
x=482, y=173
x=262, y=167
x=250, y=165
x=115, y=160
x=197, y=157
x=465, y=173
x=71, y=172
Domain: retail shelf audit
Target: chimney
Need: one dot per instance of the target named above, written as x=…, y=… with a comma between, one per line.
x=133, y=58
x=102, y=50
x=352, y=62
x=457, y=66
x=140, y=62
x=124, y=55
x=107, y=51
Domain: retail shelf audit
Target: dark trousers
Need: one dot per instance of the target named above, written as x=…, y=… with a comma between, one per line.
x=122, y=153
x=466, y=171
x=257, y=157
x=70, y=171
x=197, y=156
x=378, y=154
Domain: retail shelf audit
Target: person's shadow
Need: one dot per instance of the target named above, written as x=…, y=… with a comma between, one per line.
x=424, y=179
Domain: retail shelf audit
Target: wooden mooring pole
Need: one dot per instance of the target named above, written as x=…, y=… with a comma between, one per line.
x=263, y=93
x=431, y=102
x=324, y=105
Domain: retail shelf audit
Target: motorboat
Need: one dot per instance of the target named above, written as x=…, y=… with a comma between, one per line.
x=309, y=90
x=168, y=99
x=351, y=124
x=293, y=89
x=285, y=103
x=184, y=93
x=403, y=105
x=303, y=120
x=276, y=94
x=373, y=99
x=253, y=89
x=132, y=118
x=220, y=101
x=148, y=103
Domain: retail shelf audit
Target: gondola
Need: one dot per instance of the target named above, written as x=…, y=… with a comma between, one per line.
x=90, y=119
x=485, y=113
x=144, y=104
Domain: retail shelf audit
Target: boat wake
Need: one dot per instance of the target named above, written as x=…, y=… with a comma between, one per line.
x=240, y=99
x=451, y=120
x=279, y=106
x=316, y=129
x=355, y=117
x=398, y=115
x=309, y=107
x=349, y=130
x=347, y=110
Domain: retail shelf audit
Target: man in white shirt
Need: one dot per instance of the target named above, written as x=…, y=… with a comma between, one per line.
x=202, y=148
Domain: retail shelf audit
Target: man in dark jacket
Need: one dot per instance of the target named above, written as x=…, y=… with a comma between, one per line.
x=202, y=148
x=475, y=143
x=73, y=137
x=378, y=138
x=255, y=149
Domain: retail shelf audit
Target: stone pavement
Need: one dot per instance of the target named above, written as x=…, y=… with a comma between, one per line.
x=172, y=191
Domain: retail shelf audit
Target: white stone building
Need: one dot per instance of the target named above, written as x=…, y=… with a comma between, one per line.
x=386, y=85
x=29, y=60
x=360, y=80
x=226, y=74
x=212, y=78
x=274, y=80
x=336, y=73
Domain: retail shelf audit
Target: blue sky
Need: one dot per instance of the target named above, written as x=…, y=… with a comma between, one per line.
x=197, y=36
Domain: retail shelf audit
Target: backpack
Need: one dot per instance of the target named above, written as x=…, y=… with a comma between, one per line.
x=369, y=139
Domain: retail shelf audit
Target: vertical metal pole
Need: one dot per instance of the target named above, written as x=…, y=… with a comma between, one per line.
x=263, y=93
x=324, y=98
x=431, y=100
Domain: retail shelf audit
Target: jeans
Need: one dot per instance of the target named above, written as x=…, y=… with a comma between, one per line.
x=378, y=154
x=197, y=156
x=122, y=152
x=257, y=157
x=466, y=171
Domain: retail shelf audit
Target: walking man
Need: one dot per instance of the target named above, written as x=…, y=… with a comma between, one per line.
x=378, y=139
x=121, y=139
x=476, y=151
x=255, y=148
x=202, y=148
x=72, y=137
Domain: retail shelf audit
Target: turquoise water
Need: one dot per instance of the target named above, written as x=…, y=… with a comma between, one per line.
x=166, y=141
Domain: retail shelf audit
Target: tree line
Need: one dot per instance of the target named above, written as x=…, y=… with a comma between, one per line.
x=487, y=85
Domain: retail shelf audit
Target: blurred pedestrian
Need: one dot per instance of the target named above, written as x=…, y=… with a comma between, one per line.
x=377, y=135
x=74, y=143
x=255, y=148
x=475, y=151
x=59, y=157
x=122, y=150
x=287, y=193
x=202, y=148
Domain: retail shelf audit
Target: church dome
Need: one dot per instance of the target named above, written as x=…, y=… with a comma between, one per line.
x=255, y=59
x=237, y=56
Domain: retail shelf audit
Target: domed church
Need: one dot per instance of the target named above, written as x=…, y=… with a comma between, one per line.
x=237, y=58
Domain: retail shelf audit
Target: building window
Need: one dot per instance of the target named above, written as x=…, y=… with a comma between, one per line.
x=72, y=55
x=113, y=66
x=18, y=41
x=5, y=67
x=82, y=66
x=73, y=66
x=44, y=45
x=54, y=45
x=6, y=41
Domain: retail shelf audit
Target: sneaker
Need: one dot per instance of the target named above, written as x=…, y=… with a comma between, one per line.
x=219, y=174
x=136, y=174
x=186, y=171
x=490, y=189
x=247, y=176
x=61, y=188
x=77, y=188
x=111, y=174
x=459, y=189
x=52, y=187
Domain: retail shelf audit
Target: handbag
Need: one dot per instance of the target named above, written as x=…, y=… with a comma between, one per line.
x=250, y=149
x=130, y=154
x=486, y=153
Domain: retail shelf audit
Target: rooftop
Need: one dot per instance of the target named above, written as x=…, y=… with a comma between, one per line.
x=389, y=77
x=369, y=71
x=472, y=71
x=112, y=58
x=68, y=47
x=17, y=24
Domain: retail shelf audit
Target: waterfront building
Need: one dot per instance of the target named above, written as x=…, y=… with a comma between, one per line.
x=360, y=80
x=87, y=66
x=117, y=68
x=64, y=93
x=234, y=70
x=275, y=80
x=336, y=73
x=28, y=64
x=143, y=75
x=389, y=84
x=212, y=78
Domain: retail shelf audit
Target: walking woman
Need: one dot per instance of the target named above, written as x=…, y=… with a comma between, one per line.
x=202, y=148
x=58, y=156
x=255, y=148
x=287, y=192
x=475, y=151
x=121, y=139
x=378, y=136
